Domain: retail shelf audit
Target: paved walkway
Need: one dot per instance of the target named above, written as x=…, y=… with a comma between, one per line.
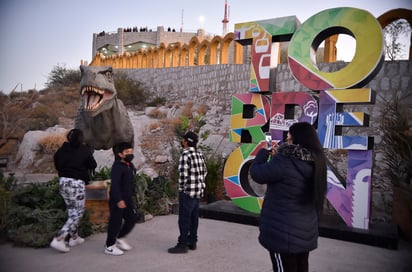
x=222, y=246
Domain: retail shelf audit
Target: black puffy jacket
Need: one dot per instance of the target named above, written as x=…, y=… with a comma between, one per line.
x=288, y=221
x=74, y=162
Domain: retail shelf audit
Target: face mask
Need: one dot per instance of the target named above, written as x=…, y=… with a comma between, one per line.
x=129, y=157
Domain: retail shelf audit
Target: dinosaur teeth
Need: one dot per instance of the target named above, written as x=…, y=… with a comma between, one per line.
x=92, y=89
x=93, y=97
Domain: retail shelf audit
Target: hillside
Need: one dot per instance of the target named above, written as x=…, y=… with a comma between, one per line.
x=34, y=125
x=34, y=110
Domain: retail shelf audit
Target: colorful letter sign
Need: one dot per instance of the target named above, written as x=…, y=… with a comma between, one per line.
x=254, y=113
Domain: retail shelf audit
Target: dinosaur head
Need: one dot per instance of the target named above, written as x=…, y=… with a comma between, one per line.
x=96, y=89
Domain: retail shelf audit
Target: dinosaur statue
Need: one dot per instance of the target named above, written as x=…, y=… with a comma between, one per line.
x=101, y=115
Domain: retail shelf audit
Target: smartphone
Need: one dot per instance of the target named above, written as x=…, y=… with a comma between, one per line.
x=268, y=138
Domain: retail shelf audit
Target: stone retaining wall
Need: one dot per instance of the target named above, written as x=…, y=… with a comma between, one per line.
x=214, y=86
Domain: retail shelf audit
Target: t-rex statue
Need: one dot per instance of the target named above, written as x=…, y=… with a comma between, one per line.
x=101, y=115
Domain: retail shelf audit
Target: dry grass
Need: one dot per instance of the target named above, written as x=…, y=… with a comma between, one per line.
x=154, y=126
x=152, y=139
x=171, y=121
x=156, y=113
x=188, y=109
x=202, y=109
x=49, y=144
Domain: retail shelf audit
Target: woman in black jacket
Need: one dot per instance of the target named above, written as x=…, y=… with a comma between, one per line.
x=72, y=160
x=296, y=186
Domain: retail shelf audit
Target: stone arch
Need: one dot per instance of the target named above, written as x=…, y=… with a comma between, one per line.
x=162, y=52
x=140, y=58
x=150, y=58
x=126, y=61
x=144, y=59
x=193, y=50
x=133, y=60
x=155, y=57
x=225, y=47
x=330, y=52
x=394, y=15
x=168, y=56
x=175, y=54
x=214, y=50
x=202, y=52
x=97, y=60
x=184, y=55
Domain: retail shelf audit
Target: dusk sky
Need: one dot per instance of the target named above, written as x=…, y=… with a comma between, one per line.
x=37, y=35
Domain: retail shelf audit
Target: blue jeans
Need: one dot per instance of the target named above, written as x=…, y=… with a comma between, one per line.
x=188, y=219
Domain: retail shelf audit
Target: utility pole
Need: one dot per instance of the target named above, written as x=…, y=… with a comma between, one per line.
x=181, y=26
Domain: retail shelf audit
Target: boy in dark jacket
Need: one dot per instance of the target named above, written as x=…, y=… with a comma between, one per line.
x=122, y=206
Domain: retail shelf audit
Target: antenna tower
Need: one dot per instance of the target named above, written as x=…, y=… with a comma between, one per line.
x=225, y=19
x=181, y=26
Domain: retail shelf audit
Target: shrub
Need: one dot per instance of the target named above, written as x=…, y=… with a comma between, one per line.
x=156, y=196
x=214, y=165
x=157, y=101
x=6, y=186
x=102, y=174
x=397, y=139
x=131, y=92
x=202, y=109
x=187, y=110
x=37, y=212
x=156, y=113
x=61, y=76
x=50, y=143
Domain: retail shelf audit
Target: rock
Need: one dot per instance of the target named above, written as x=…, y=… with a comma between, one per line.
x=161, y=159
x=220, y=144
x=150, y=172
x=148, y=217
x=29, y=145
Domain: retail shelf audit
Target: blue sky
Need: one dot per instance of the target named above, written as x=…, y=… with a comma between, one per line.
x=39, y=34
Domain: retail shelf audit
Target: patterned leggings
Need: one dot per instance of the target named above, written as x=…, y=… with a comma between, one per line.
x=73, y=193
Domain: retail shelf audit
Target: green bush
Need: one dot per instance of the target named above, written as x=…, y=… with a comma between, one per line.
x=37, y=212
x=157, y=196
x=102, y=174
x=131, y=92
x=214, y=167
x=157, y=101
x=6, y=186
x=61, y=76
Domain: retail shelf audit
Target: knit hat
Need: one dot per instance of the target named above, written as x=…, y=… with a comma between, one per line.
x=191, y=137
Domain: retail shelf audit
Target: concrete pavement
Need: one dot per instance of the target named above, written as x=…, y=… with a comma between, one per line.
x=222, y=246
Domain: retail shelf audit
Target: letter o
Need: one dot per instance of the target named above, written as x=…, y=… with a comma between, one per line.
x=369, y=53
x=236, y=178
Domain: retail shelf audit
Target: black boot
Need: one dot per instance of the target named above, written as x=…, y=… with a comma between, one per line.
x=178, y=249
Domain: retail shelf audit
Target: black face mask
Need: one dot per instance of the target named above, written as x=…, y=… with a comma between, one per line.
x=129, y=157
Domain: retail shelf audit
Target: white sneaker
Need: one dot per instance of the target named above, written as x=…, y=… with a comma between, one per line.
x=74, y=242
x=59, y=245
x=113, y=250
x=123, y=245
